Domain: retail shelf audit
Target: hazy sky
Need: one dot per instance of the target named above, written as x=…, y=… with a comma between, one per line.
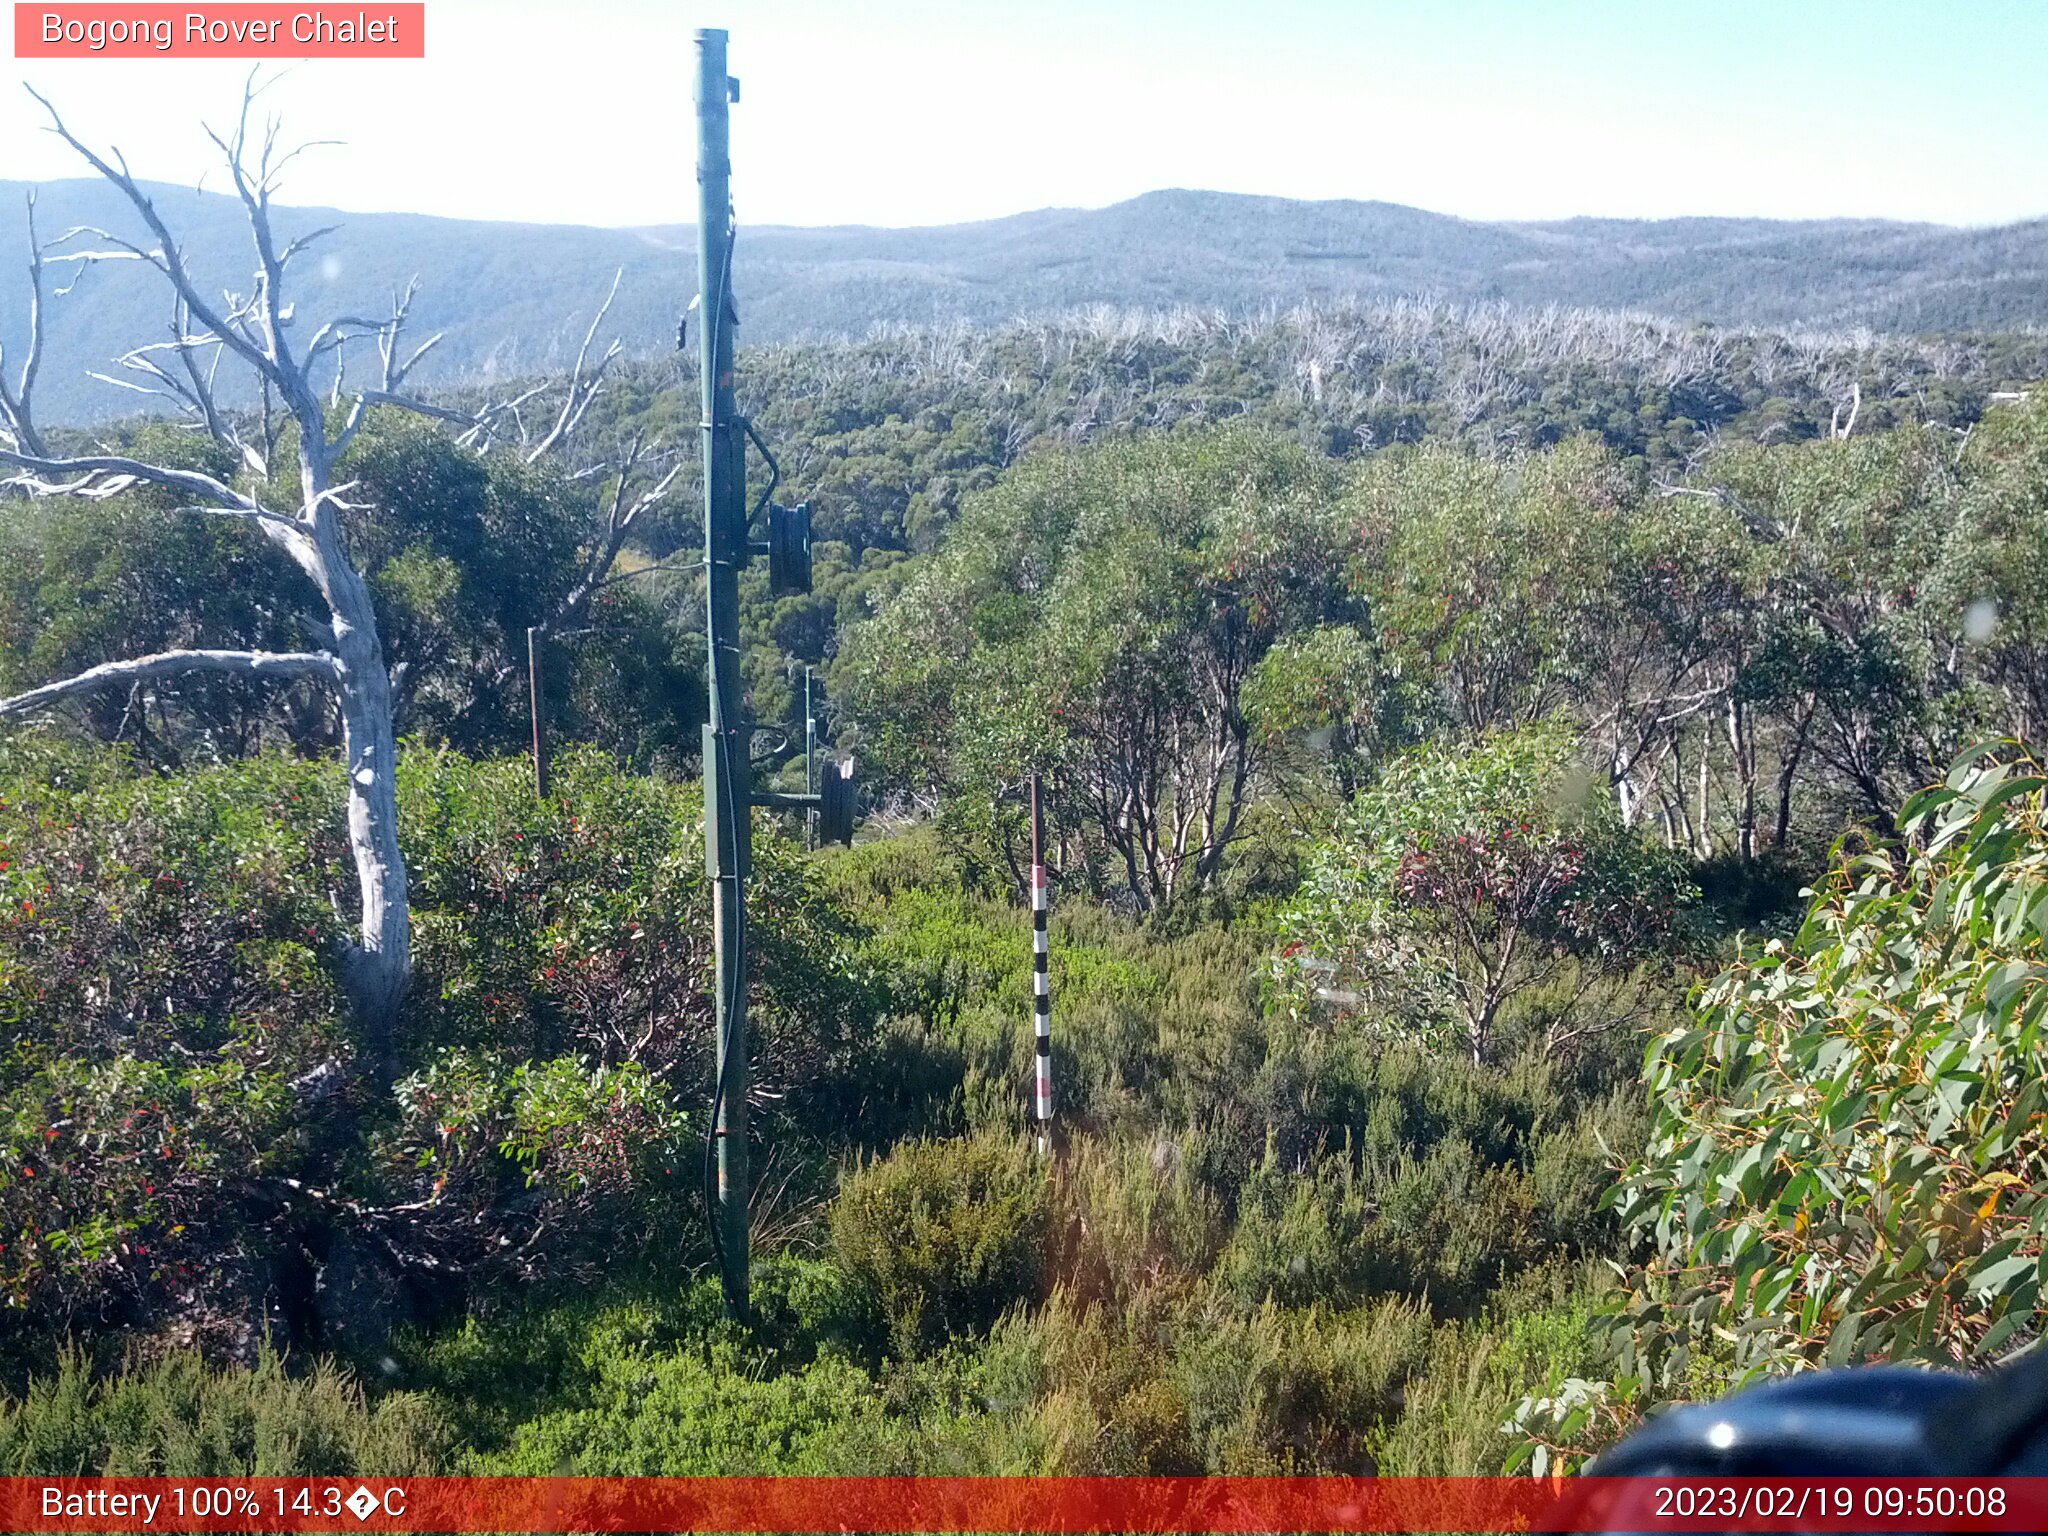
x=900, y=112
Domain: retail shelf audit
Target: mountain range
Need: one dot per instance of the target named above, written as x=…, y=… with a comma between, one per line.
x=515, y=299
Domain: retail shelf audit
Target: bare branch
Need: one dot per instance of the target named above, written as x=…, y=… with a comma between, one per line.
x=122, y=250
x=169, y=258
x=177, y=664
x=242, y=514
x=388, y=336
x=140, y=389
x=487, y=419
x=320, y=629
x=412, y=360
x=293, y=247
x=217, y=426
x=620, y=516
x=335, y=336
x=337, y=332
x=195, y=391
x=255, y=197
x=276, y=172
x=658, y=568
x=17, y=405
x=369, y=397
x=581, y=391
x=105, y=474
x=1837, y=427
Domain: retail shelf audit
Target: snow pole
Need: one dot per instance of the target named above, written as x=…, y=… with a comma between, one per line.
x=1041, y=975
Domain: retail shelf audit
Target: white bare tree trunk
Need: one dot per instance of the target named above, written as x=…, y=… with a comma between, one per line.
x=383, y=958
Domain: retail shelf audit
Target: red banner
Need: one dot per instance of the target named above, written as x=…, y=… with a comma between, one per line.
x=1069, y=1506
x=234, y=31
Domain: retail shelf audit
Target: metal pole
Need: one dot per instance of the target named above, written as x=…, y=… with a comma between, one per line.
x=727, y=792
x=534, y=641
x=810, y=758
x=1041, y=975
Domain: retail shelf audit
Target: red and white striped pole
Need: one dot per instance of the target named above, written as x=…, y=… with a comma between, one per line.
x=1041, y=976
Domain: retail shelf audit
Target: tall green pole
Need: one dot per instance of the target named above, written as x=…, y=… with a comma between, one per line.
x=727, y=792
x=810, y=752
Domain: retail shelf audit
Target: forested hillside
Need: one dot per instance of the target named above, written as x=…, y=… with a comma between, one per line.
x=888, y=437
x=1467, y=731
x=514, y=298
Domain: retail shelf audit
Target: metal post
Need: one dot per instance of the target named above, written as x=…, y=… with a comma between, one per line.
x=1041, y=975
x=534, y=641
x=810, y=758
x=727, y=792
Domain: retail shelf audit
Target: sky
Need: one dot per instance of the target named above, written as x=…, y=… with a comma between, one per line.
x=912, y=112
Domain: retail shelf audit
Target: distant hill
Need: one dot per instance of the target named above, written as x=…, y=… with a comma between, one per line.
x=515, y=298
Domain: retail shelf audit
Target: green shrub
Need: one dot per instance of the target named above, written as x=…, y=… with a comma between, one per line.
x=1138, y=1217
x=1096, y=1389
x=1298, y=1236
x=182, y=1071
x=1849, y=1159
x=176, y=1417
x=1461, y=1407
x=1449, y=1227
x=581, y=924
x=166, y=970
x=1170, y=1382
x=945, y=1236
x=686, y=1415
x=1573, y=1168
x=1301, y=1087
x=1278, y=1391
x=1444, y=1225
x=1468, y=876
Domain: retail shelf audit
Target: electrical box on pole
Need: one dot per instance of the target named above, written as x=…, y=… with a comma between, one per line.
x=728, y=733
x=789, y=549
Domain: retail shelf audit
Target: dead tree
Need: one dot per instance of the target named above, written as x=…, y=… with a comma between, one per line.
x=254, y=332
x=629, y=497
x=642, y=483
x=626, y=503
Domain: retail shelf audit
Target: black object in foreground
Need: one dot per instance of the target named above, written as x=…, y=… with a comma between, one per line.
x=1881, y=1421
x=1870, y=1422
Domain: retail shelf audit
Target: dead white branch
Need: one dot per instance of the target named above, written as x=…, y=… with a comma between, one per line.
x=17, y=419
x=581, y=391
x=280, y=664
x=621, y=514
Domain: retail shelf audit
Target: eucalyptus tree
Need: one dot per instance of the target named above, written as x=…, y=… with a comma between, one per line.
x=1847, y=1154
x=1099, y=616
x=1538, y=585
x=1993, y=579
x=1467, y=878
x=1488, y=572
x=1858, y=653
